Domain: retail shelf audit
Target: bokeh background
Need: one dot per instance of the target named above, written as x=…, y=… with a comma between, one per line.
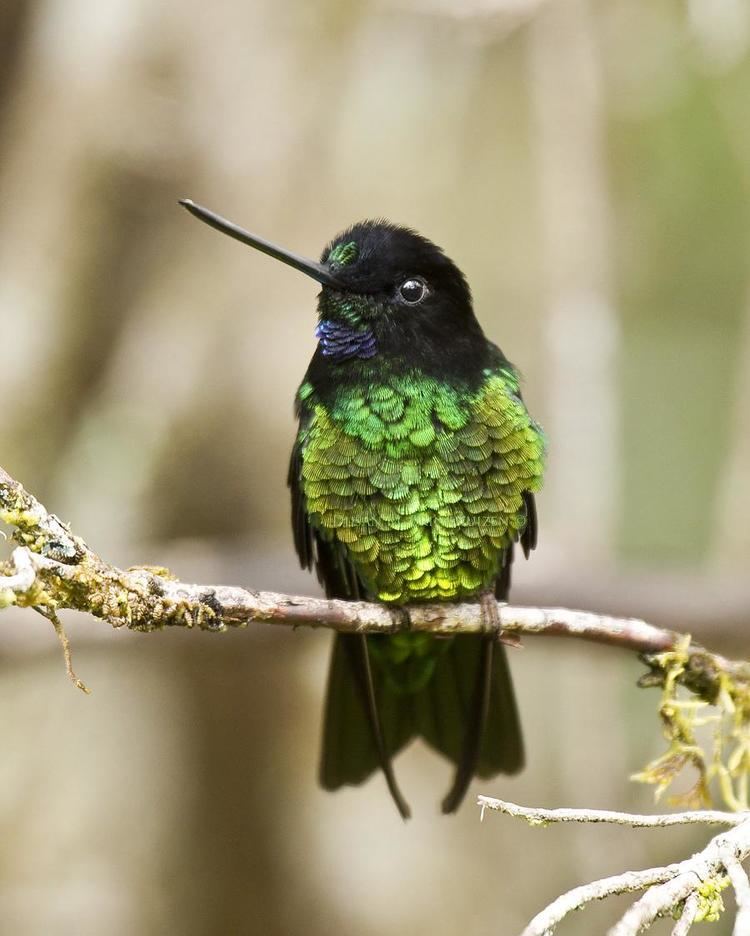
x=587, y=164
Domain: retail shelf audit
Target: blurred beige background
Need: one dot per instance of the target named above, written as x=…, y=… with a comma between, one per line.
x=587, y=164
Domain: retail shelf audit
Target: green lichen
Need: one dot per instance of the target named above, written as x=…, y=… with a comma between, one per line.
x=34, y=528
x=82, y=582
x=697, y=693
x=7, y=598
x=710, y=901
x=26, y=531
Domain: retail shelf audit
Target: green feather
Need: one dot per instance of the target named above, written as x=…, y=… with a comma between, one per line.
x=425, y=460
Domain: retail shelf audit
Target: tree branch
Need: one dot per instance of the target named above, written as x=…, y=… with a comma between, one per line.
x=692, y=886
x=53, y=569
x=57, y=569
x=535, y=816
x=689, y=913
x=741, y=885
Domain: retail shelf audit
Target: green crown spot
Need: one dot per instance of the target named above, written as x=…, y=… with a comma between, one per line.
x=343, y=254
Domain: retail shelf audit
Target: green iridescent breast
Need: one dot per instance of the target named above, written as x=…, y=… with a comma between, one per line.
x=423, y=485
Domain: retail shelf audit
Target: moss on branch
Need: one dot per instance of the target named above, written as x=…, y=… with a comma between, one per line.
x=52, y=569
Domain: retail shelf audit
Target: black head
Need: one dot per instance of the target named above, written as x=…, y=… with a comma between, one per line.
x=388, y=293
x=396, y=266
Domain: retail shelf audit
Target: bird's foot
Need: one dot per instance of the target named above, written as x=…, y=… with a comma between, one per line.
x=401, y=618
x=491, y=623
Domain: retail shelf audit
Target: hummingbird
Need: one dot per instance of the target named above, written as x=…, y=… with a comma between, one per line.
x=412, y=479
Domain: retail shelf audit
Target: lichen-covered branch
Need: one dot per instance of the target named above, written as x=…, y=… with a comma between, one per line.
x=53, y=569
x=689, y=890
x=56, y=568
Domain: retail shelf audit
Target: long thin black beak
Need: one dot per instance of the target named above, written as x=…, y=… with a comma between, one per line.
x=316, y=270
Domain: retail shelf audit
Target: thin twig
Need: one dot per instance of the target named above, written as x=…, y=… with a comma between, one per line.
x=657, y=901
x=538, y=816
x=738, y=877
x=577, y=898
x=689, y=913
x=67, y=654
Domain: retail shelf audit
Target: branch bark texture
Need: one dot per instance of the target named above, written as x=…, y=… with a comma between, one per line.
x=54, y=569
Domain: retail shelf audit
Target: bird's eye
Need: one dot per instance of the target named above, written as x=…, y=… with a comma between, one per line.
x=413, y=291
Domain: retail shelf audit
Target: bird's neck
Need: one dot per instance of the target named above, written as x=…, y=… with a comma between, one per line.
x=353, y=371
x=364, y=343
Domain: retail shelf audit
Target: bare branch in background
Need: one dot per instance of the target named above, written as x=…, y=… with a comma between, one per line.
x=536, y=816
x=690, y=889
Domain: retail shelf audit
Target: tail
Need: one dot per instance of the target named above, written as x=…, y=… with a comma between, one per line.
x=362, y=728
x=465, y=709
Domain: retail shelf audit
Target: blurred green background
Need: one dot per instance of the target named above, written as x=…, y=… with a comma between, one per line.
x=587, y=164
